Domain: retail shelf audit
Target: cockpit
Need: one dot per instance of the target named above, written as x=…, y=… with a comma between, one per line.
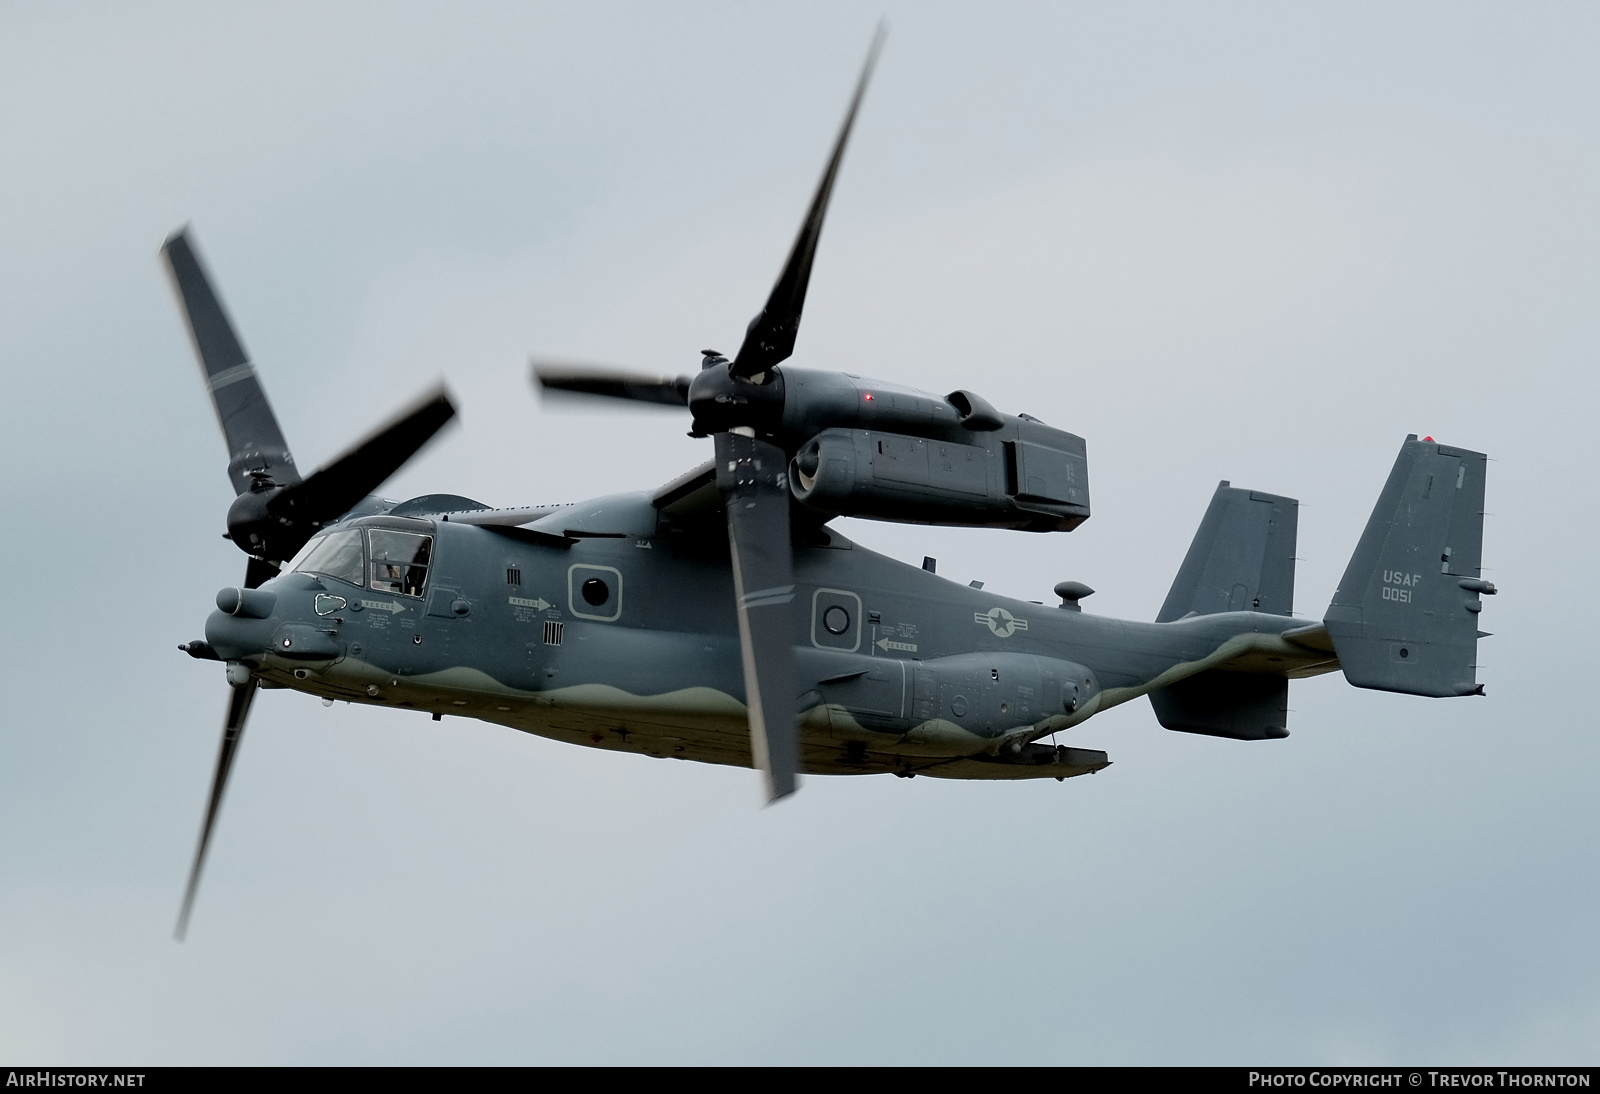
x=383, y=559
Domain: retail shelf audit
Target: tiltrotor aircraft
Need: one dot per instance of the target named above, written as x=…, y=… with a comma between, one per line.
x=720, y=618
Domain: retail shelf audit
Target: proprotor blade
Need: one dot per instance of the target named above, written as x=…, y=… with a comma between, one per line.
x=574, y=379
x=232, y=731
x=752, y=476
x=255, y=443
x=770, y=337
x=332, y=491
x=258, y=572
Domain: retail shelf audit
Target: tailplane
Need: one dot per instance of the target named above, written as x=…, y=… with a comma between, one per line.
x=1405, y=616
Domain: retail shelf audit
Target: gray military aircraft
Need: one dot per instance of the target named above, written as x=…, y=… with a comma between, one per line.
x=720, y=618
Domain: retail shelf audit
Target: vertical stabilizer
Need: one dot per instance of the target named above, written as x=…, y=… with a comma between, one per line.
x=1405, y=616
x=1241, y=560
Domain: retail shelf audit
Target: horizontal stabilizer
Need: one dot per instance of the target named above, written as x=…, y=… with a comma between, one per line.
x=1405, y=616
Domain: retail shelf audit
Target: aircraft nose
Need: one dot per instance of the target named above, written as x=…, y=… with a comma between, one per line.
x=249, y=623
x=234, y=635
x=243, y=624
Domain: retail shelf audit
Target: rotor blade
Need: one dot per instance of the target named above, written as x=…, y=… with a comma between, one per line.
x=232, y=731
x=332, y=491
x=770, y=337
x=752, y=476
x=255, y=443
x=554, y=376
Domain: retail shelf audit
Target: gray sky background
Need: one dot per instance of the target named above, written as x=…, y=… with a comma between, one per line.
x=1258, y=242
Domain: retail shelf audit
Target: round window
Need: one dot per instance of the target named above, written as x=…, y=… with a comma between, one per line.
x=836, y=619
x=596, y=592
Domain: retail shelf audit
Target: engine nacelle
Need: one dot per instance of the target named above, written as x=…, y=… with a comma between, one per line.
x=1022, y=474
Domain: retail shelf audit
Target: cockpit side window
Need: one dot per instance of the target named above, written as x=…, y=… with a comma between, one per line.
x=337, y=554
x=399, y=561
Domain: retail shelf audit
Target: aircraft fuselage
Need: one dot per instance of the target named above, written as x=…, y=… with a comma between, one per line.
x=627, y=639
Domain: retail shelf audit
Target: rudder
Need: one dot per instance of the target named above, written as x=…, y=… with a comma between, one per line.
x=1241, y=560
x=1405, y=615
x=1244, y=706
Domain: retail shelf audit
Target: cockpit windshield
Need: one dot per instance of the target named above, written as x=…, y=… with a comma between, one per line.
x=398, y=560
x=336, y=554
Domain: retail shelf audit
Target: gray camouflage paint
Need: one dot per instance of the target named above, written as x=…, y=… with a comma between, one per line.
x=918, y=675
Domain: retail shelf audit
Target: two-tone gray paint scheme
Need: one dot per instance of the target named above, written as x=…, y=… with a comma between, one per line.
x=898, y=670
x=720, y=619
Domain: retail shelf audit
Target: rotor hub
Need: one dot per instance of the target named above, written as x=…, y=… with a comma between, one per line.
x=721, y=401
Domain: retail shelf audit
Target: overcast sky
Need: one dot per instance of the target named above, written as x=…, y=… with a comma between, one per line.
x=1256, y=242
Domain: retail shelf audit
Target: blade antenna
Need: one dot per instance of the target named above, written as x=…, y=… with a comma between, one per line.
x=771, y=334
x=232, y=732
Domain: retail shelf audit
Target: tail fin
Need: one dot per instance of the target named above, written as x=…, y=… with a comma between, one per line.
x=1241, y=560
x=1405, y=616
x=1241, y=705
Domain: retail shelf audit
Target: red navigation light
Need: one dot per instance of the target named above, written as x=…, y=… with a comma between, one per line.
x=1427, y=438
x=868, y=398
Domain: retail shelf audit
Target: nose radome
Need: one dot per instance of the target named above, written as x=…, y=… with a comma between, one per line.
x=233, y=636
